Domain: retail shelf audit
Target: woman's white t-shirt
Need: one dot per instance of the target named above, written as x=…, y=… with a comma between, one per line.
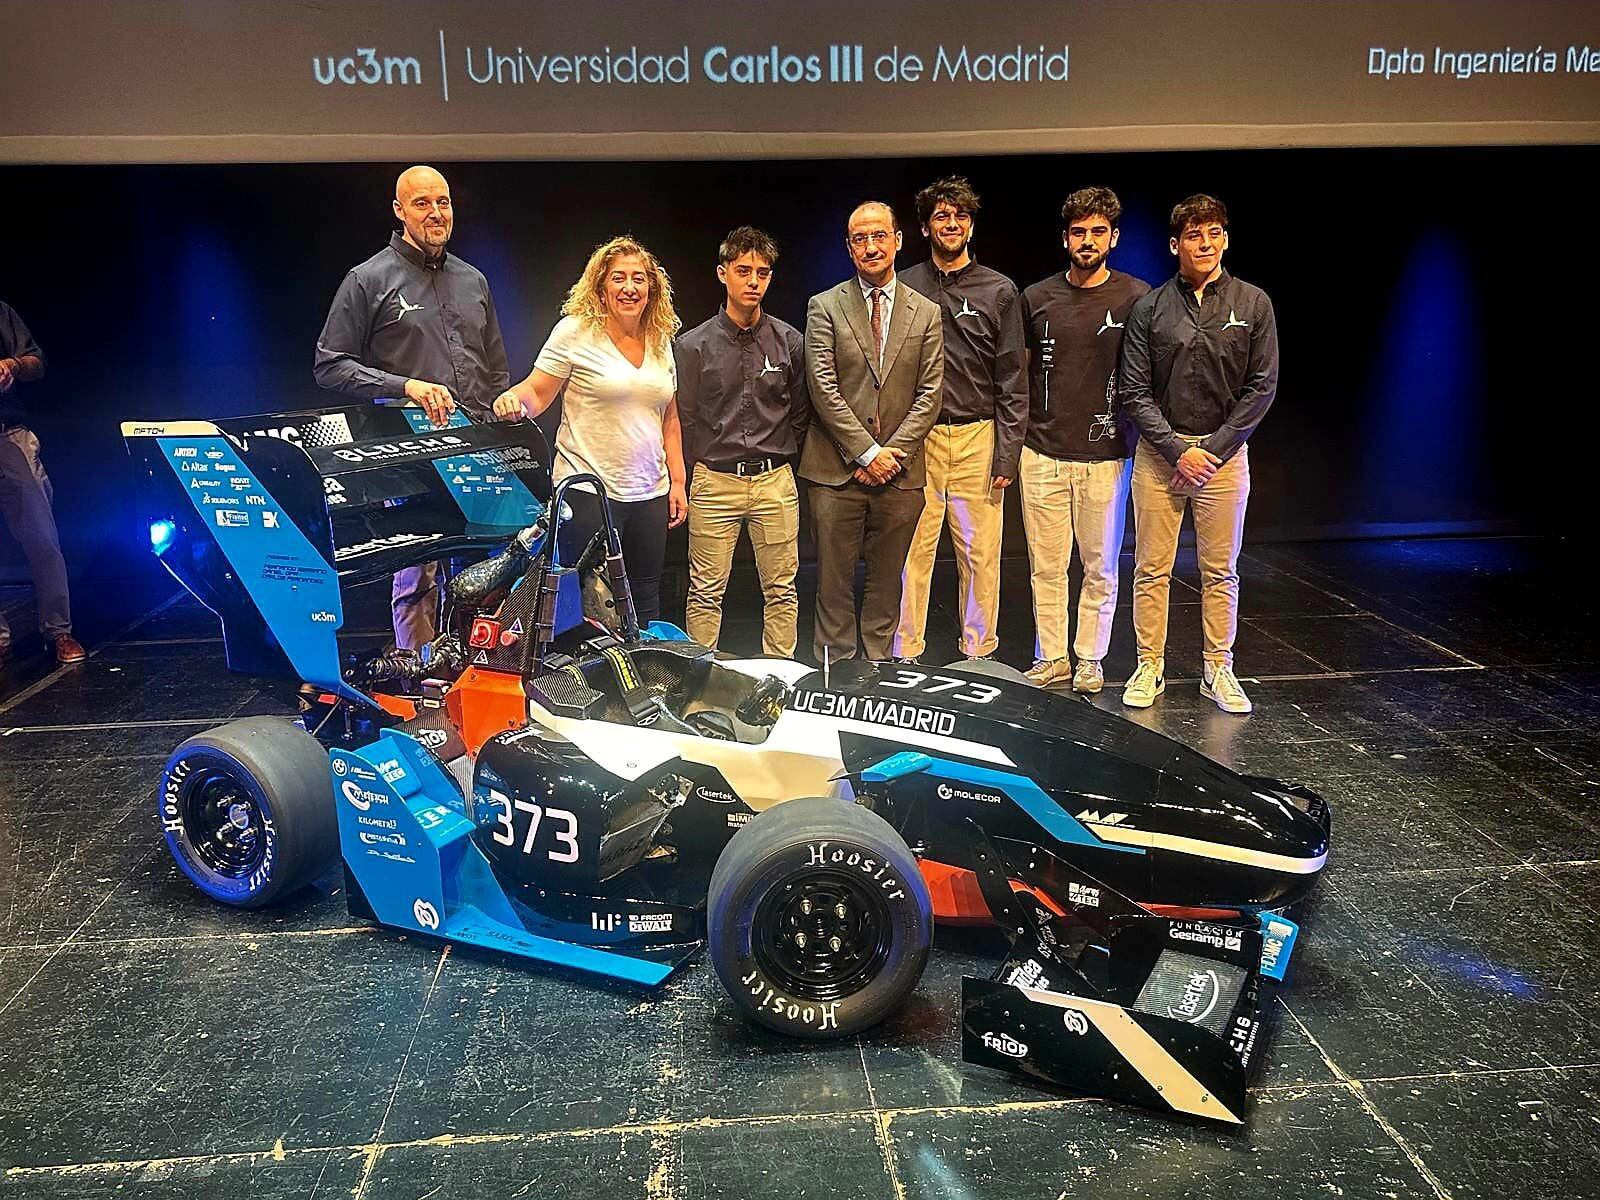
x=611, y=412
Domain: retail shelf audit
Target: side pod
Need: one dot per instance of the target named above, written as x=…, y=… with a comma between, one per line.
x=1102, y=996
x=411, y=863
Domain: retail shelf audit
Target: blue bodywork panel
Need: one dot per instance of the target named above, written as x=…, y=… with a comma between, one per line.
x=292, y=585
x=406, y=839
x=1046, y=811
x=488, y=494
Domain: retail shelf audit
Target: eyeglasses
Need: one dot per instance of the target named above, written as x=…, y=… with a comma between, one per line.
x=878, y=237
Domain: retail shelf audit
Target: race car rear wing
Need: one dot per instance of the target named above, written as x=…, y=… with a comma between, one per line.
x=264, y=518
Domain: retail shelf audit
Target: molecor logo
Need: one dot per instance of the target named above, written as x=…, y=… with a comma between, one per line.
x=426, y=914
x=361, y=797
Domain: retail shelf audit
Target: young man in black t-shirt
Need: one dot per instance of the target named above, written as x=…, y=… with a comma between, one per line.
x=1076, y=455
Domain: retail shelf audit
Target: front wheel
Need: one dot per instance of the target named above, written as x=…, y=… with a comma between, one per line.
x=818, y=919
x=248, y=812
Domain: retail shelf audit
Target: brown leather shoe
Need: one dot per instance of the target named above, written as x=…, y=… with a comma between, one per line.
x=68, y=649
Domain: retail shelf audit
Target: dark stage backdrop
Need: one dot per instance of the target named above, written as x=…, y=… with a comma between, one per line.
x=1435, y=306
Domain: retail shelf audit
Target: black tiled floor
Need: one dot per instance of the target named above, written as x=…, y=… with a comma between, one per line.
x=1436, y=1037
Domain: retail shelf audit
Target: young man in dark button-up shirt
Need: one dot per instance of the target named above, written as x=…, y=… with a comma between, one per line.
x=971, y=453
x=744, y=404
x=25, y=493
x=1199, y=371
x=1076, y=461
x=415, y=322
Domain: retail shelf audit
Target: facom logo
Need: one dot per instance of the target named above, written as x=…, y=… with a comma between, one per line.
x=1004, y=1043
x=360, y=796
x=426, y=914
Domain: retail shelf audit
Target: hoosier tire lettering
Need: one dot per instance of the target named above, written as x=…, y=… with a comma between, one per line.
x=818, y=921
x=879, y=871
x=820, y=1017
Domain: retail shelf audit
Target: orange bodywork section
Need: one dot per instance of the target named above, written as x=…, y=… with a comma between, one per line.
x=958, y=900
x=484, y=703
x=397, y=705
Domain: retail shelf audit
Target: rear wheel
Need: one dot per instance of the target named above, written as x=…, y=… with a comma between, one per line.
x=818, y=919
x=248, y=812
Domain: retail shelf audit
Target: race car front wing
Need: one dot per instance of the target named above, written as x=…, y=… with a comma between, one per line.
x=1102, y=996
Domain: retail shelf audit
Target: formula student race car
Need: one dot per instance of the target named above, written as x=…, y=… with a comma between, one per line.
x=549, y=779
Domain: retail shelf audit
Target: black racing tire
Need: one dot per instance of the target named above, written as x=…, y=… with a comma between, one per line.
x=248, y=811
x=989, y=667
x=849, y=959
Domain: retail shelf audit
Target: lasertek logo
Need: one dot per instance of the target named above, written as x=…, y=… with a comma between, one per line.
x=1199, y=997
x=1004, y=1043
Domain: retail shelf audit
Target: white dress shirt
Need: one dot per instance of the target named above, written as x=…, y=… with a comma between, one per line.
x=885, y=311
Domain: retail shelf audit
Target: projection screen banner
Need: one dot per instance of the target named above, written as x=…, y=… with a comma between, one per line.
x=229, y=81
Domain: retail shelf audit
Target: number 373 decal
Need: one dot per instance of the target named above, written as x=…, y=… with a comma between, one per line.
x=562, y=824
x=965, y=690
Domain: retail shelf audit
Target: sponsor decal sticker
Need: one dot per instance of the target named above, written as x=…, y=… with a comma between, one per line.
x=1004, y=1043
x=426, y=914
x=362, y=798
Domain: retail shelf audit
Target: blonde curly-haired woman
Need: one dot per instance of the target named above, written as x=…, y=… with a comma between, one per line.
x=612, y=353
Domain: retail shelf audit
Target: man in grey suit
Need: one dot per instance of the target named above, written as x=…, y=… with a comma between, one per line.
x=875, y=354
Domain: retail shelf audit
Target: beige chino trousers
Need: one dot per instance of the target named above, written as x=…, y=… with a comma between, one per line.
x=720, y=505
x=1218, y=509
x=1063, y=501
x=957, y=493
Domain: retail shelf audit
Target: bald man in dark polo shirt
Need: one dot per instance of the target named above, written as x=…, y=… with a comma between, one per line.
x=416, y=322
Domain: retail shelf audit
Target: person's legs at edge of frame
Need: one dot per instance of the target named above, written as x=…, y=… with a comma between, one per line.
x=1099, y=513
x=1219, y=510
x=718, y=505
x=1157, y=517
x=774, y=519
x=886, y=541
x=25, y=506
x=975, y=512
x=1047, y=521
x=839, y=523
x=916, y=581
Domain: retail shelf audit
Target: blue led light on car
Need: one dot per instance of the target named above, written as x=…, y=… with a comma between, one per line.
x=161, y=535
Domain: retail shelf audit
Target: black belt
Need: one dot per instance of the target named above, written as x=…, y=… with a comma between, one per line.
x=944, y=420
x=744, y=468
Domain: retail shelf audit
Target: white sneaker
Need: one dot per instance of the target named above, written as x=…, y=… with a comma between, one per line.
x=1088, y=678
x=1048, y=672
x=1148, y=682
x=1222, y=685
